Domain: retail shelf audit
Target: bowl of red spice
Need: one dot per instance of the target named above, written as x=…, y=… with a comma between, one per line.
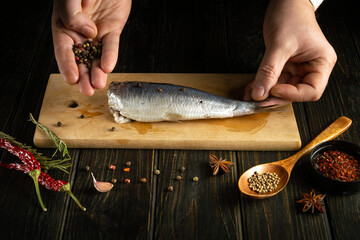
x=336, y=166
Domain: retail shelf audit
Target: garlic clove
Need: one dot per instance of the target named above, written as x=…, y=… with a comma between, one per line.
x=102, y=186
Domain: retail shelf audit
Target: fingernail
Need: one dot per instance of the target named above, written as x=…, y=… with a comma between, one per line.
x=88, y=31
x=258, y=91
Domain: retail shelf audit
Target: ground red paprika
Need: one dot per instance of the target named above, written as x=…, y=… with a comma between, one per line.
x=338, y=165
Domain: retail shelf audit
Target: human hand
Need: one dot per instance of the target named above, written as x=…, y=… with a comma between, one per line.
x=74, y=21
x=298, y=59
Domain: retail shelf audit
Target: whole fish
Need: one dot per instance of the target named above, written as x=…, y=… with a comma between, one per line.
x=155, y=102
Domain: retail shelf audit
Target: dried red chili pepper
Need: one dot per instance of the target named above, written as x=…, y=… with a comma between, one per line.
x=32, y=167
x=58, y=186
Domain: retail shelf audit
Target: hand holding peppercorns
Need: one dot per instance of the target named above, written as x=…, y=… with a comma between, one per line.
x=76, y=22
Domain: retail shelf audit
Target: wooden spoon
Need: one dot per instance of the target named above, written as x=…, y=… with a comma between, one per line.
x=284, y=167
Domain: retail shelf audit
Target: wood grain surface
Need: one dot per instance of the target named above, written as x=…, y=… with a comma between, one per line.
x=173, y=37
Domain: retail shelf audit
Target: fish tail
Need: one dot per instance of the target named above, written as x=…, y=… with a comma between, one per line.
x=270, y=103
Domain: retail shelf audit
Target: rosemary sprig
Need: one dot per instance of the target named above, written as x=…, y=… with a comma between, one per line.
x=60, y=144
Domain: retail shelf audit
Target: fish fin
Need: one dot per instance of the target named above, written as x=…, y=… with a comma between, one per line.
x=173, y=117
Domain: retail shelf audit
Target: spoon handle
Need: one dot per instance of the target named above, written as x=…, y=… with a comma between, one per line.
x=339, y=126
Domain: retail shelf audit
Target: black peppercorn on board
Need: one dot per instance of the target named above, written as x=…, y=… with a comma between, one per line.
x=87, y=123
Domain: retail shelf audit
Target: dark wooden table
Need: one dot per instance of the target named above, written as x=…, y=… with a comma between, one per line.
x=185, y=37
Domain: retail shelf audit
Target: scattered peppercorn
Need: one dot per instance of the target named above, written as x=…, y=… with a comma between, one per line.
x=182, y=169
x=82, y=116
x=87, y=168
x=128, y=164
x=157, y=172
x=178, y=178
x=127, y=180
x=114, y=180
x=195, y=179
x=143, y=180
x=112, y=129
x=59, y=124
x=112, y=167
x=170, y=188
x=126, y=169
x=86, y=52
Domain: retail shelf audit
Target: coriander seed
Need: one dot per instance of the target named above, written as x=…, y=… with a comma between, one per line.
x=195, y=179
x=157, y=172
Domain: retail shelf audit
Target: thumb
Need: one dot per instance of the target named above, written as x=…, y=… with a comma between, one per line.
x=269, y=72
x=75, y=19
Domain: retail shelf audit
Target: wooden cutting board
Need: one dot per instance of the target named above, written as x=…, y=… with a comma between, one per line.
x=276, y=130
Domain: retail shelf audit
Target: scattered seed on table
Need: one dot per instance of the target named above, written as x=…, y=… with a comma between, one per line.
x=170, y=188
x=178, y=178
x=195, y=179
x=182, y=169
x=114, y=180
x=128, y=164
x=112, y=129
x=127, y=180
x=87, y=168
x=143, y=180
x=126, y=169
x=157, y=172
x=59, y=124
x=82, y=116
x=112, y=167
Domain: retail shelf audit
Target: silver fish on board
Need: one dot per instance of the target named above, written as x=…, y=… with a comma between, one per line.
x=155, y=102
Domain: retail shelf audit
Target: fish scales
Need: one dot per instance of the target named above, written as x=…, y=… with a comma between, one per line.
x=154, y=102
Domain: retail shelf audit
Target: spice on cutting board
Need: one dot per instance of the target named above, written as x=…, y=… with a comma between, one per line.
x=338, y=165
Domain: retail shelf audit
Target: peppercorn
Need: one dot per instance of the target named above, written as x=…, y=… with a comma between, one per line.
x=157, y=172
x=87, y=168
x=128, y=164
x=112, y=129
x=143, y=180
x=114, y=180
x=86, y=52
x=59, y=124
x=127, y=180
x=195, y=179
x=178, y=178
x=182, y=169
x=82, y=116
x=170, y=188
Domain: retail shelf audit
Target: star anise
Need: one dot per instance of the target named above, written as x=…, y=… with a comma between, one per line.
x=216, y=164
x=312, y=201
